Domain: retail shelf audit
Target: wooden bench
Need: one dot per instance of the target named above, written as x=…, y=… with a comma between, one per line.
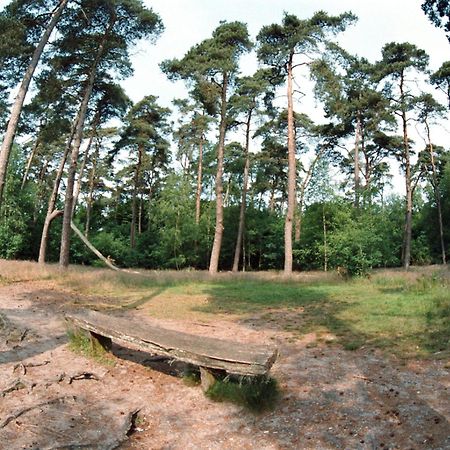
x=210, y=354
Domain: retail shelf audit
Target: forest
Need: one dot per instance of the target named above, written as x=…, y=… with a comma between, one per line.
x=231, y=177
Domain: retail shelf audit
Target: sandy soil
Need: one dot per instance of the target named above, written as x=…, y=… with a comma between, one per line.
x=331, y=399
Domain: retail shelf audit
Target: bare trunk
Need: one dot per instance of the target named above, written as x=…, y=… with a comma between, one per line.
x=20, y=98
x=288, y=259
x=53, y=199
x=215, y=252
x=92, y=248
x=437, y=195
x=325, y=242
x=303, y=186
x=68, y=203
x=199, y=181
x=29, y=162
x=408, y=185
x=140, y=211
x=85, y=160
x=240, y=234
x=356, y=160
x=90, y=199
x=137, y=176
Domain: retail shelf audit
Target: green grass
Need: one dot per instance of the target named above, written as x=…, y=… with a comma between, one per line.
x=257, y=394
x=404, y=314
x=79, y=342
x=407, y=314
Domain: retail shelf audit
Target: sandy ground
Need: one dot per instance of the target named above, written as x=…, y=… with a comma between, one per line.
x=331, y=399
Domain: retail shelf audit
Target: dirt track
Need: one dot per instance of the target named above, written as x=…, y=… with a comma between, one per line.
x=330, y=398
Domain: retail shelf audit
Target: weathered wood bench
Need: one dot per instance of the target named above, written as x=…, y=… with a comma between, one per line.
x=205, y=352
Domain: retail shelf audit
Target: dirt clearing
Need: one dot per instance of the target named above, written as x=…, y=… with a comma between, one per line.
x=52, y=398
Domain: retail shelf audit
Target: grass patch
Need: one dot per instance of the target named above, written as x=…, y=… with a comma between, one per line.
x=80, y=342
x=254, y=393
x=191, y=377
x=404, y=313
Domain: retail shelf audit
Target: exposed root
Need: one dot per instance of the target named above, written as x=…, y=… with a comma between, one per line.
x=22, y=411
x=24, y=367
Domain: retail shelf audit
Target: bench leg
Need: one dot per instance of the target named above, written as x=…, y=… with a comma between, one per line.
x=207, y=379
x=100, y=343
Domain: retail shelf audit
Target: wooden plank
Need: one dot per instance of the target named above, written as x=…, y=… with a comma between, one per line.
x=233, y=357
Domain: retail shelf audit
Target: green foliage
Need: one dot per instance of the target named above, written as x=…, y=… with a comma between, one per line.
x=80, y=342
x=255, y=393
x=438, y=11
x=16, y=221
x=355, y=247
x=177, y=231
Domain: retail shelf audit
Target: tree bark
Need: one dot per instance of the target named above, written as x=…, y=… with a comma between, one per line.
x=92, y=248
x=90, y=199
x=20, y=98
x=68, y=203
x=85, y=160
x=356, y=160
x=215, y=252
x=288, y=259
x=53, y=199
x=199, y=181
x=240, y=234
x=408, y=182
x=29, y=162
x=303, y=186
x=137, y=176
x=437, y=195
x=325, y=241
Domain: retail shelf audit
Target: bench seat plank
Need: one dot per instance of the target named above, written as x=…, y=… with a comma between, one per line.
x=233, y=357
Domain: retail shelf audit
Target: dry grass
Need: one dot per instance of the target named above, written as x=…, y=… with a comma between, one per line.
x=403, y=312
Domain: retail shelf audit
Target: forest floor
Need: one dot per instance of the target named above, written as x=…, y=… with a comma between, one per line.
x=331, y=398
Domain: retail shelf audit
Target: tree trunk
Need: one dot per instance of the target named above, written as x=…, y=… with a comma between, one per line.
x=68, y=203
x=29, y=162
x=240, y=234
x=356, y=160
x=85, y=160
x=92, y=248
x=303, y=186
x=90, y=200
x=137, y=176
x=291, y=175
x=437, y=195
x=20, y=98
x=198, y=194
x=408, y=183
x=53, y=198
x=325, y=241
x=215, y=252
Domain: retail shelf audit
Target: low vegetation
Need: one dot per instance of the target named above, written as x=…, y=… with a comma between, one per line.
x=403, y=313
x=256, y=394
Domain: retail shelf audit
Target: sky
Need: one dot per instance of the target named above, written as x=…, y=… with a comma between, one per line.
x=188, y=22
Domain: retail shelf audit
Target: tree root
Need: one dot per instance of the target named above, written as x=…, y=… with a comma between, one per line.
x=24, y=367
x=22, y=411
x=16, y=385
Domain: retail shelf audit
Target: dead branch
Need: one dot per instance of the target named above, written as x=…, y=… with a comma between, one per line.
x=24, y=367
x=23, y=335
x=83, y=376
x=16, y=385
x=57, y=379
